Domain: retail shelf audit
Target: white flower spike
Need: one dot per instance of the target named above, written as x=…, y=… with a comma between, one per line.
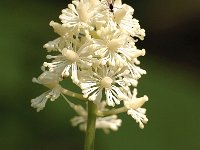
x=96, y=49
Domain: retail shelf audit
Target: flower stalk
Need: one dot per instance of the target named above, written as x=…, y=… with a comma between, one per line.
x=111, y=112
x=73, y=94
x=91, y=122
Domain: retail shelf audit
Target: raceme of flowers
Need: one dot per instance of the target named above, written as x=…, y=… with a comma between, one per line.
x=96, y=48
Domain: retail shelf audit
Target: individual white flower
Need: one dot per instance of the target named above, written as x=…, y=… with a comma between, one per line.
x=134, y=105
x=109, y=79
x=105, y=123
x=67, y=38
x=123, y=16
x=114, y=47
x=50, y=80
x=80, y=15
x=70, y=59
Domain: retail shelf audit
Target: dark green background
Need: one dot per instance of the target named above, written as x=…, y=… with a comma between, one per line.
x=172, y=83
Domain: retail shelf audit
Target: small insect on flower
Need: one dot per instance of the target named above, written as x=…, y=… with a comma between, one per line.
x=110, y=4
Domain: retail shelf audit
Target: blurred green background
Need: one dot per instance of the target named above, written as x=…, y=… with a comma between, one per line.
x=172, y=83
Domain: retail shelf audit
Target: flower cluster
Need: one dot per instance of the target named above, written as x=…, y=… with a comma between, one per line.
x=96, y=49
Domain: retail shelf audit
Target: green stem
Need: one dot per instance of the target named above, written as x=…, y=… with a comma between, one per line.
x=111, y=112
x=91, y=122
x=73, y=94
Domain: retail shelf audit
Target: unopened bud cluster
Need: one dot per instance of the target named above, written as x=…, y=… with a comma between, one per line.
x=96, y=48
